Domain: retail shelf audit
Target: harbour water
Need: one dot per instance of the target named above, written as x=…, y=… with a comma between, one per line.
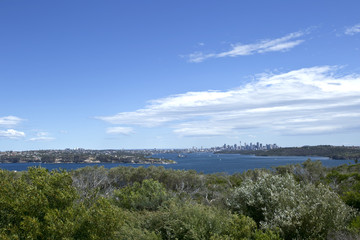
x=200, y=162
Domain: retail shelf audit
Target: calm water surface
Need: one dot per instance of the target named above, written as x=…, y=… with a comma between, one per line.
x=201, y=162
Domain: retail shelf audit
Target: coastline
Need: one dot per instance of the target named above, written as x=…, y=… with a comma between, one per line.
x=332, y=152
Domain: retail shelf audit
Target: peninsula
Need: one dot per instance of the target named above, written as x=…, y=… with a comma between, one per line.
x=82, y=156
x=333, y=152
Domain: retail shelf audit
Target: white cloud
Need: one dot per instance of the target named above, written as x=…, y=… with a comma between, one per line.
x=11, y=133
x=120, y=130
x=306, y=101
x=42, y=136
x=353, y=30
x=270, y=45
x=10, y=121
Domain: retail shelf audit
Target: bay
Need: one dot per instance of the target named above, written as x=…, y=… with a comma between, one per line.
x=200, y=162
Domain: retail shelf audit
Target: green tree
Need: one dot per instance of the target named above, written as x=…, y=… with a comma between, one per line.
x=25, y=201
x=187, y=220
x=44, y=205
x=299, y=210
x=147, y=195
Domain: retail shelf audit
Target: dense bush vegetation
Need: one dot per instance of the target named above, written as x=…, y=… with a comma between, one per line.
x=334, y=152
x=300, y=211
x=305, y=201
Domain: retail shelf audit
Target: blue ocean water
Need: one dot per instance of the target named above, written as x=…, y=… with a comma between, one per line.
x=200, y=162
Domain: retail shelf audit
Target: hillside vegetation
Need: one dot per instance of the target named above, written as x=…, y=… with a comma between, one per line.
x=306, y=201
x=334, y=152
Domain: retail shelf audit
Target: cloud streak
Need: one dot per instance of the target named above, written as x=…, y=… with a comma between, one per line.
x=10, y=121
x=12, y=134
x=270, y=45
x=307, y=101
x=120, y=130
x=353, y=30
x=42, y=136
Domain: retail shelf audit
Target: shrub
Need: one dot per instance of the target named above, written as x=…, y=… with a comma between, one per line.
x=299, y=211
x=148, y=195
x=187, y=220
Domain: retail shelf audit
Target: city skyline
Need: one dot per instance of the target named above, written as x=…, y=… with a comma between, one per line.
x=143, y=75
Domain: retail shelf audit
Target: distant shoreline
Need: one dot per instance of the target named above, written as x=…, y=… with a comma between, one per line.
x=164, y=161
x=81, y=156
x=332, y=152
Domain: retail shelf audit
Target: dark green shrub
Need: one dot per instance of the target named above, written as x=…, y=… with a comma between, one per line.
x=302, y=211
x=147, y=195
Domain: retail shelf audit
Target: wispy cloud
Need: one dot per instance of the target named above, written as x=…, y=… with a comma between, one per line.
x=353, y=29
x=269, y=45
x=11, y=133
x=306, y=101
x=120, y=130
x=42, y=136
x=10, y=121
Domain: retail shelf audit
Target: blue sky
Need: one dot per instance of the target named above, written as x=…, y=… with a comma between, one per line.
x=174, y=74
